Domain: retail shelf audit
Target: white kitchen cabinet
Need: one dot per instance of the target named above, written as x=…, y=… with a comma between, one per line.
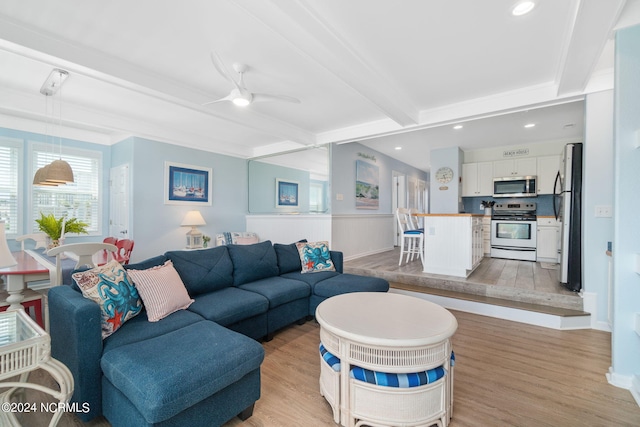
x=486, y=235
x=515, y=167
x=477, y=179
x=453, y=244
x=547, y=240
x=547, y=171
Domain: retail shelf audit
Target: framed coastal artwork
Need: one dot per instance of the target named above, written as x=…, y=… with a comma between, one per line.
x=367, y=185
x=286, y=193
x=187, y=185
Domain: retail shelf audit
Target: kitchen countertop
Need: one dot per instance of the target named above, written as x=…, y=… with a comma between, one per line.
x=448, y=214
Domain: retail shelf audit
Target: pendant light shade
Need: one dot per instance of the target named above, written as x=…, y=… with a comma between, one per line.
x=40, y=178
x=59, y=172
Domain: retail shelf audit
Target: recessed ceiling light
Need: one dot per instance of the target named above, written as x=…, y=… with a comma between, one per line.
x=457, y=127
x=398, y=148
x=523, y=7
x=530, y=125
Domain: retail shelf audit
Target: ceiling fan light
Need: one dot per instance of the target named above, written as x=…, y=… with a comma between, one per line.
x=60, y=172
x=241, y=101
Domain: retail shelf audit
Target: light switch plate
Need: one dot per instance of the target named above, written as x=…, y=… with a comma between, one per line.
x=604, y=211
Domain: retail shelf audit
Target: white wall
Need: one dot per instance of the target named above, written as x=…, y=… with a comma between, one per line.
x=597, y=190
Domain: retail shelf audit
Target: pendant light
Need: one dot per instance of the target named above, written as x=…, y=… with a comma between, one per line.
x=59, y=171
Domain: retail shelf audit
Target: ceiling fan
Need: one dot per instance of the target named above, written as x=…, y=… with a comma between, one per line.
x=240, y=95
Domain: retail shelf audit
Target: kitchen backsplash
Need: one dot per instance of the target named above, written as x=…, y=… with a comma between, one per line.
x=545, y=203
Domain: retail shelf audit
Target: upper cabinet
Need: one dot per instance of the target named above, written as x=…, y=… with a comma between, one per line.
x=547, y=171
x=477, y=179
x=515, y=167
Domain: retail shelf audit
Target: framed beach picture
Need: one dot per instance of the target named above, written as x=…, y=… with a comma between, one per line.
x=187, y=185
x=367, y=185
x=286, y=193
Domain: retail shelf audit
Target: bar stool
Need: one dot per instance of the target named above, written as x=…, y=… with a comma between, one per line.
x=412, y=238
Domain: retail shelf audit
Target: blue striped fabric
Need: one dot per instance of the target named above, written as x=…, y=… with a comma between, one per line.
x=416, y=232
x=414, y=379
x=331, y=360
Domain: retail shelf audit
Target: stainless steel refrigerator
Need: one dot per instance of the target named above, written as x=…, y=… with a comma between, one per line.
x=567, y=206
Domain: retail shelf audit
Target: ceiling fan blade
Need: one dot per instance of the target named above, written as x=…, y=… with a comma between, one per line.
x=269, y=97
x=220, y=67
x=226, y=98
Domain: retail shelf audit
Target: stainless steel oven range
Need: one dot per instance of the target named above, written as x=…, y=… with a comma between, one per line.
x=513, y=231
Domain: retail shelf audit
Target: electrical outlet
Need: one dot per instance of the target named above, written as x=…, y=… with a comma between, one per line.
x=339, y=196
x=603, y=211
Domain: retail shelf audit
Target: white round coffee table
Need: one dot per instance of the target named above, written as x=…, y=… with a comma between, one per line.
x=390, y=333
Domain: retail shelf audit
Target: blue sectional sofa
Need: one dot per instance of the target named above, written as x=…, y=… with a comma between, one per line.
x=199, y=366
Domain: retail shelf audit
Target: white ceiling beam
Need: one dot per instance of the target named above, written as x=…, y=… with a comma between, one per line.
x=38, y=45
x=587, y=35
x=305, y=29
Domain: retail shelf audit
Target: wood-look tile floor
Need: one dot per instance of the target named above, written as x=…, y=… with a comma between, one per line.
x=519, y=281
x=506, y=374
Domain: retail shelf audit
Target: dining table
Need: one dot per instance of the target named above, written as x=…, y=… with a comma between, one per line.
x=27, y=269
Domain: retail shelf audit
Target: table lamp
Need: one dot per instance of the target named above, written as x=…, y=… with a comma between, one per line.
x=194, y=236
x=6, y=258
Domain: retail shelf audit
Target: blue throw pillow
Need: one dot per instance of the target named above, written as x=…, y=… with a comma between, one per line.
x=288, y=257
x=253, y=262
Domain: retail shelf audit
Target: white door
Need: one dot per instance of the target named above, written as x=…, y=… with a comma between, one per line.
x=399, y=200
x=119, y=207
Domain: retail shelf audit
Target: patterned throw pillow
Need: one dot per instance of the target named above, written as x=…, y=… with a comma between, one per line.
x=315, y=256
x=110, y=287
x=161, y=290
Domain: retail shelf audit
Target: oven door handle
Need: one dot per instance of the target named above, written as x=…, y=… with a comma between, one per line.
x=514, y=248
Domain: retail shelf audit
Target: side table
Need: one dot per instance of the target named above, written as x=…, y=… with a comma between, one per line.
x=25, y=347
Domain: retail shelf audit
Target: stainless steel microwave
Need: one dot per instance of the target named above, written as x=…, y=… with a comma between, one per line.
x=510, y=186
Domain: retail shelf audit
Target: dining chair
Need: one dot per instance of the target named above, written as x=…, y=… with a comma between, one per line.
x=82, y=252
x=112, y=240
x=123, y=253
x=412, y=239
x=40, y=240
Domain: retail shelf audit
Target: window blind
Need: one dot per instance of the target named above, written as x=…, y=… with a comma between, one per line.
x=9, y=175
x=80, y=199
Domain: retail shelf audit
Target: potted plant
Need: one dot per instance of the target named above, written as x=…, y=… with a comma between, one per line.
x=205, y=241
x=52, y=227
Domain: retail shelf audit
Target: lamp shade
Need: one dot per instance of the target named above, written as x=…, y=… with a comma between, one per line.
x=60, y=172
x=40, y=177
x=193, y=219
x=6, y=258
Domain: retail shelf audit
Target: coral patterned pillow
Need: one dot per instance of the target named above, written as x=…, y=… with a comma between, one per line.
x=315, y=256
x=161, y=290
x=110, y=287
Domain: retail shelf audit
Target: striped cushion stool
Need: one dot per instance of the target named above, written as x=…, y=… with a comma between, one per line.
x=330, y=381
x=383, y=398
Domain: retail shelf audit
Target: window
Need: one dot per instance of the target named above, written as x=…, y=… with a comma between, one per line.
x=10, y=154
x=80, y=199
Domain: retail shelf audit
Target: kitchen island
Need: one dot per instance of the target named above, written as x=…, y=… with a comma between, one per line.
x=452, y=243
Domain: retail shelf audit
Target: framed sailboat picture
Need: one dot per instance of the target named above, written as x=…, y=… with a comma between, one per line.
x=286, y=193
x=187, y=185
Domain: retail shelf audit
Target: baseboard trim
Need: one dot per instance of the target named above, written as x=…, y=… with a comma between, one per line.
x=507, y=313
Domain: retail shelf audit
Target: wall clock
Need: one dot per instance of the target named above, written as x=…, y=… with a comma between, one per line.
x=444, y=175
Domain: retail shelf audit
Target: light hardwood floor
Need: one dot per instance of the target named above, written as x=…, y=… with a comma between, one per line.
x=506, y=374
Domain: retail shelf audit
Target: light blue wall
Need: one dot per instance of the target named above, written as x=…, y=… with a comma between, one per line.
x=626, y=241
x=597, y=190
x=343, y=177
x=155, y=226
x=446, y=198
x=27, y=178
x=262, y=187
